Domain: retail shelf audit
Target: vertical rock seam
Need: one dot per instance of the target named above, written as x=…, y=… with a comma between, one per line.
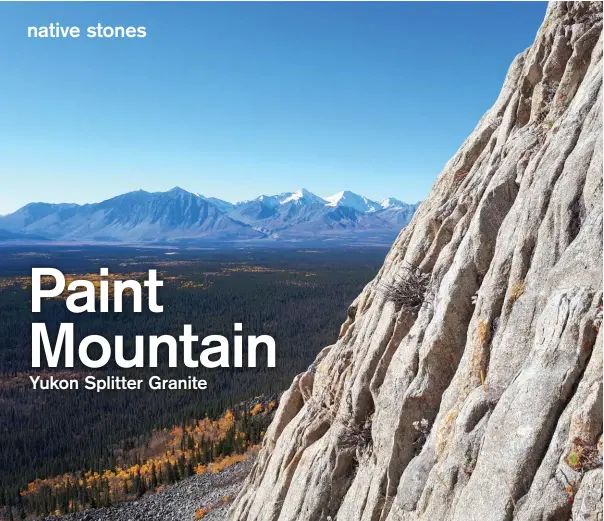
x=479, y=396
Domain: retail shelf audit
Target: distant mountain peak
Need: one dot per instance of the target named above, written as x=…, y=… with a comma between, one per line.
x=352, y=200
x=221, y=204
x=391, y=203
x=179, y=190
x=302, y=195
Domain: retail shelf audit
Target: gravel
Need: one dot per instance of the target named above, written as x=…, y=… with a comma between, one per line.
x=178, y=502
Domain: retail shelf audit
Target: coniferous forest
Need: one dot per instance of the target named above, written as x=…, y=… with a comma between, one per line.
x=299, y=297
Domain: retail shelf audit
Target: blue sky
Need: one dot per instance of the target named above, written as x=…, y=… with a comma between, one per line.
x=237, y=99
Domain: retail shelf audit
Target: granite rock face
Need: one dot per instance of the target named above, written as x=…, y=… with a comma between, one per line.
x=485, y=404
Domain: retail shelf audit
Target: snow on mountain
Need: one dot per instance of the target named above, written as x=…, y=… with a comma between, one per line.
x=391, y=202
x=351, y=200
x=277, y=212
x=179, y=215
x=398, y=215
x=270, y=201
x=302, y=196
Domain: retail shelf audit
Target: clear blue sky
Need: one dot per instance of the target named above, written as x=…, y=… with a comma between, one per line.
x=237, y=99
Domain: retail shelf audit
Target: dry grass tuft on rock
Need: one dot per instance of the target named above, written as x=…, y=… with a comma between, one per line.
x=407, y=289
x=358, y=437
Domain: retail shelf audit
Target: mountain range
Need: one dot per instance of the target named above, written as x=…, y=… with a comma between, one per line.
x=179, y=216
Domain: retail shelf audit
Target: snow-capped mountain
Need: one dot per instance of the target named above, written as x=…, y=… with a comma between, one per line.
x=302, y=196
x=271, y=213
x=351, y=200
x=182, y=216
x=398, y=215
x=391, y=203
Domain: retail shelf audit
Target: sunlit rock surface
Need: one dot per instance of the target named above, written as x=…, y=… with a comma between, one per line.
x=486, y=404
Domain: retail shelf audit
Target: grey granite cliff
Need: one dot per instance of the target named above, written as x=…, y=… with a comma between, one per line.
x=485, y=402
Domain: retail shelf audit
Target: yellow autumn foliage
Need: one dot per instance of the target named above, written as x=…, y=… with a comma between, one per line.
x=175, y=445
